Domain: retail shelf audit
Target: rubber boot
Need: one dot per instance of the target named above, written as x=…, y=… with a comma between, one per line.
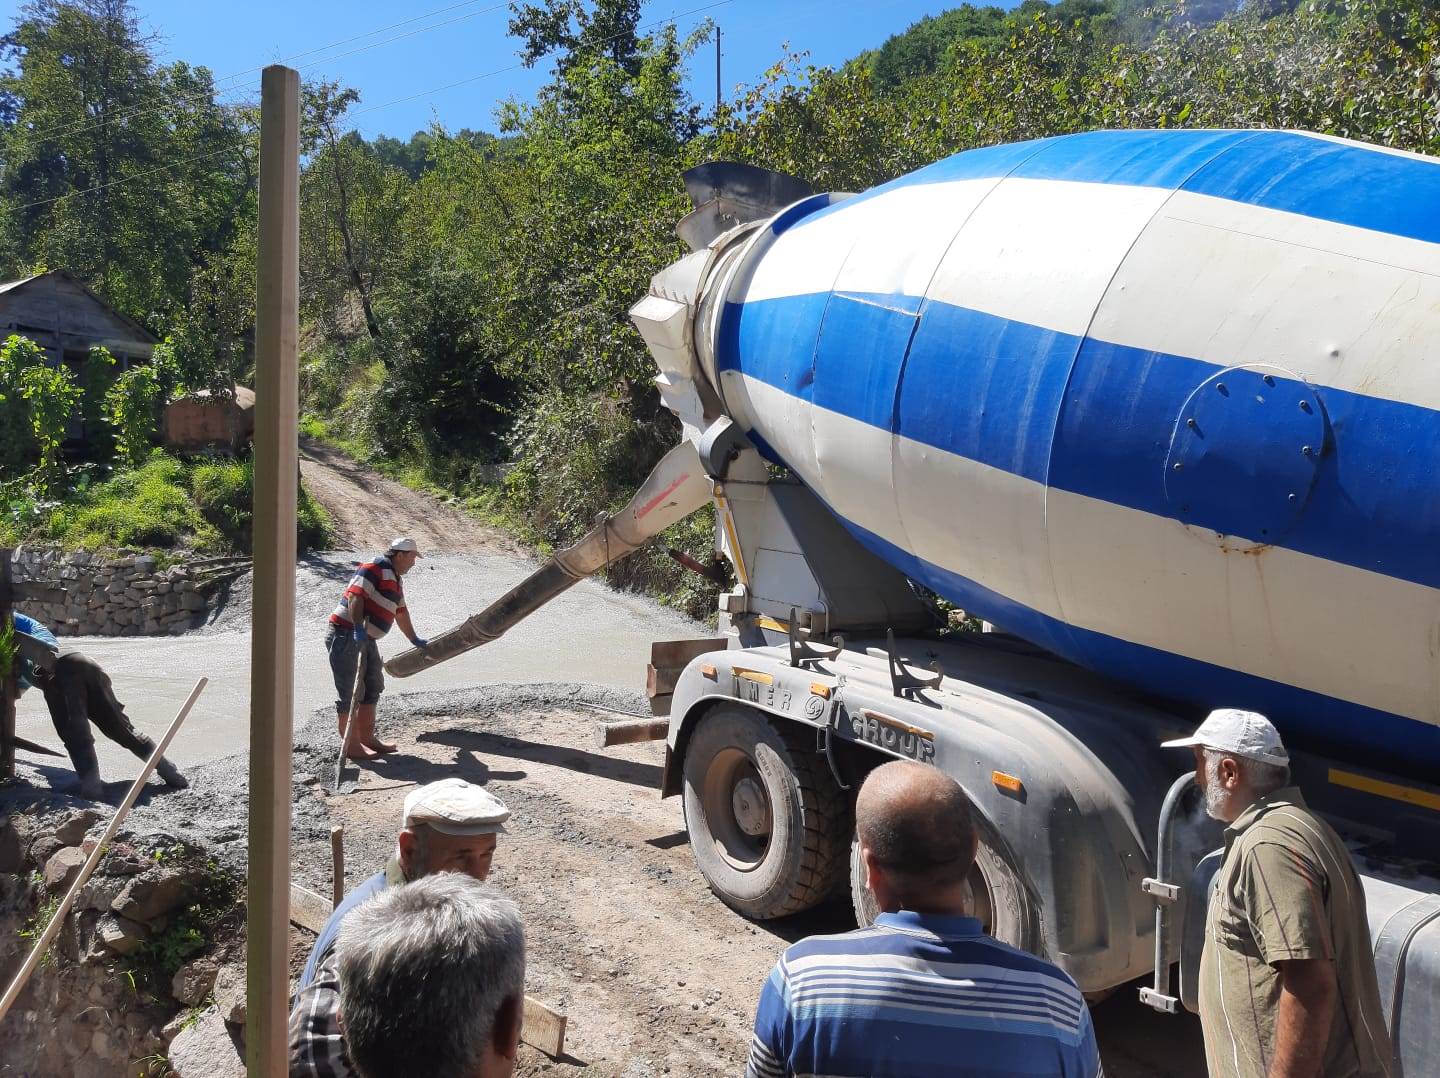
x=87, y=766
x=365, y=722
x=355, y=748
x=171, y=774
x=91, y=788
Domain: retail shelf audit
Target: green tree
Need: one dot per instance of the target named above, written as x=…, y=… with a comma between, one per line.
x=121, y=171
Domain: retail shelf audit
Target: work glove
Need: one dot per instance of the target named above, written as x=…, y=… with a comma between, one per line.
x=420, y=642
x=359, y=634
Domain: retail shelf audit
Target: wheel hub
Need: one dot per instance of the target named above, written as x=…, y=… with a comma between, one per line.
x=751, y=807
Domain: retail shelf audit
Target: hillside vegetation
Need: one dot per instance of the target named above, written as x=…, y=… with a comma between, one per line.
x=465, y=293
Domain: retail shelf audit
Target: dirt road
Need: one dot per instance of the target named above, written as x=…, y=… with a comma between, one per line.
x=368, y=510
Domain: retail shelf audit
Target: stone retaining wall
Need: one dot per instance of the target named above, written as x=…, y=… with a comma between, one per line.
x=124, y=984
x=117, y=594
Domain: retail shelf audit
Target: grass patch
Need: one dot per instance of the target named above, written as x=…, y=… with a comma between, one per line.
x=167, y=504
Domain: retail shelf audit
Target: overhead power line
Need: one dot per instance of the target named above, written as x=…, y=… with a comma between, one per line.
x=80, y=126
x=372, y=108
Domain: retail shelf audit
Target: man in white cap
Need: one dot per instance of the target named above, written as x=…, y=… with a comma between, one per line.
x=448, y=826
x=373, y=601
x=1287, y=976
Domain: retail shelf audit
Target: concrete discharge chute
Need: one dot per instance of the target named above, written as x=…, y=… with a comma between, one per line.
x=675, y=489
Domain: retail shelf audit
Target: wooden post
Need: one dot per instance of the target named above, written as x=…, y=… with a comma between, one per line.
x=337, y=864
x=8, y=689
x=272, y=643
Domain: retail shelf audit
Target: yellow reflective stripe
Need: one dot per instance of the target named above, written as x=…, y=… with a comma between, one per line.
x=1379, y=788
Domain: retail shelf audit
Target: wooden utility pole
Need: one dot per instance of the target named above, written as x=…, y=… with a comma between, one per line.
x=272, y=640
x=717, y=72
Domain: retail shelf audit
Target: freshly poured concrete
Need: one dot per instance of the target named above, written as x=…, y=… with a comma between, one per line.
x=592, y=633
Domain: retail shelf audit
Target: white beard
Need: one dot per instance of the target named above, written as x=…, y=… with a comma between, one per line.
x=1215, y=795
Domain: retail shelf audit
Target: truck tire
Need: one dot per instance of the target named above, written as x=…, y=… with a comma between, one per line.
x=768, y=824
x=999, y=898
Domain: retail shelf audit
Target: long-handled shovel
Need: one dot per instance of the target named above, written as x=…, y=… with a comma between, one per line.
x=350, y=717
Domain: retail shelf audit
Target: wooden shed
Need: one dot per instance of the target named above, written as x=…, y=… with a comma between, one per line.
x=66, y=319
x=62, y=316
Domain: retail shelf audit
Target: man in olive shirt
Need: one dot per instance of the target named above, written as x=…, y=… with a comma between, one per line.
x=1287, y=977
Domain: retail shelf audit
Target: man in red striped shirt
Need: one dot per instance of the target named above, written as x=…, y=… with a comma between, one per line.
x=373, y=601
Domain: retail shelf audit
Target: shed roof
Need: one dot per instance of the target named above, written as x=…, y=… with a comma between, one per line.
x=141, y=333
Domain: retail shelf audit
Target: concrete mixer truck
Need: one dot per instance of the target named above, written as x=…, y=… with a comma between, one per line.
x=1160, y=407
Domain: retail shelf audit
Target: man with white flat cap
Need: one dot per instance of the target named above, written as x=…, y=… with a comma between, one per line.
x=1287, y=976
x=448, y=826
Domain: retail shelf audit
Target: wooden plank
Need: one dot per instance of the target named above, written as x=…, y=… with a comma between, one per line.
x=660, y=680
x=631, y=731
x=665, y=653
x=272, y=638
x=543, y=1028
x=309, y=910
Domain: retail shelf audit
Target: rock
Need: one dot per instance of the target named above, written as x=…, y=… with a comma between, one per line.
x=193, y=601
x=121, y=935
x=12, y=853
x=149, y=896
x=194, y=980
x=62, y=868
x=72, y=829
x=207, y=1049
x=43, y=846
x=100, y=892
x=145, y=563
x=230, y=994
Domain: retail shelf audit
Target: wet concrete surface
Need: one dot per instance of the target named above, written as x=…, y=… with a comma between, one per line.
x=591, y=633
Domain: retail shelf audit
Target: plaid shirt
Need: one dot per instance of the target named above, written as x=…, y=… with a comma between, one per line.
x=317, y=1046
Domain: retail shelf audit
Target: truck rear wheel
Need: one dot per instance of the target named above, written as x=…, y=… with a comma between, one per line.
x=767, y=821
x=997, y=897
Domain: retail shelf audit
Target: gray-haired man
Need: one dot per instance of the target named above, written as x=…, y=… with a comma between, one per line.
x=432, y=978
x=450, y=826
x=1287, y=976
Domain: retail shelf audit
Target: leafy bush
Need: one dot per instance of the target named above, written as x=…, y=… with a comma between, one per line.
x=96, y=375
x=16, y=442
x=130, y=406
x=52, y=394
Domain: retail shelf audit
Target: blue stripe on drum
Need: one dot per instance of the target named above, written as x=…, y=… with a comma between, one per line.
x=1096, y=419
x=1321, y=723
x=1344, y=182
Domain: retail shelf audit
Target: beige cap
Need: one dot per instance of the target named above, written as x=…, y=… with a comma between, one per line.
x=456, y=807
x=402, y=544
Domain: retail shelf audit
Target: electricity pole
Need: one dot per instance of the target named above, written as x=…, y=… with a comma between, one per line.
x=717, y=71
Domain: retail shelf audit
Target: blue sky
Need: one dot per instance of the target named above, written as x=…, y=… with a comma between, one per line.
x=470, y=40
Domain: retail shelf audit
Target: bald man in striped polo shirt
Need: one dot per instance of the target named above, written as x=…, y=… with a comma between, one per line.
x=923, y=991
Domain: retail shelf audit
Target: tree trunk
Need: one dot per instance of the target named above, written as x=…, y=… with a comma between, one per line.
x=343, y=220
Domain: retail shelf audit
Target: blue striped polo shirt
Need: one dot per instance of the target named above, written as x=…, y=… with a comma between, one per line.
x=919, y=994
